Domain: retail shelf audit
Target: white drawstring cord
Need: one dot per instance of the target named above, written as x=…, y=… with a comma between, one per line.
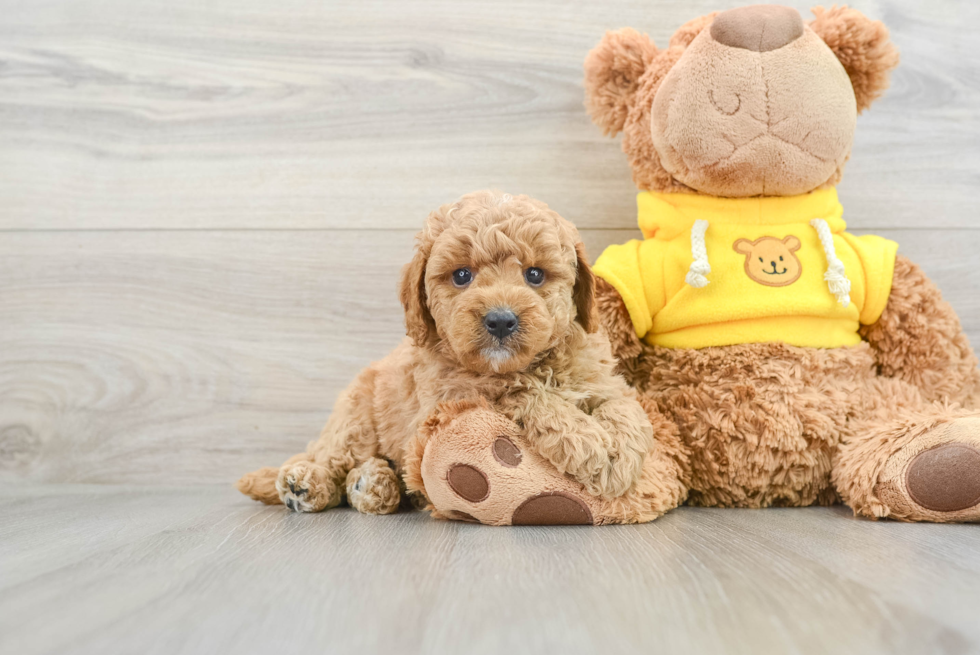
x=700, y=266
x=836, y=279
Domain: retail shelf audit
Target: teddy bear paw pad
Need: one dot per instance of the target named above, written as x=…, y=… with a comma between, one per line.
x=945, y=478
x=506, y=453
x=468, y=482
x=553, y=508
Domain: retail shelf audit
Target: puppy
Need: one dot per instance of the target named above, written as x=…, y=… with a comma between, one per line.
x=499, y=309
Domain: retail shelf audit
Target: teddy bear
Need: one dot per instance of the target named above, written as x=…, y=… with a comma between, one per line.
x=799, y=363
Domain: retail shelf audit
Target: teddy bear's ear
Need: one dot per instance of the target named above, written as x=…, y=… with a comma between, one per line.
x=612, y=76
x=686, y=32
x=862, y=46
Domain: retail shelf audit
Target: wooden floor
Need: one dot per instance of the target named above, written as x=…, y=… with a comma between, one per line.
x=117, y=569
x=204, y=206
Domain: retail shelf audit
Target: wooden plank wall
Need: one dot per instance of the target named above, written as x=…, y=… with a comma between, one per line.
x=204, y=205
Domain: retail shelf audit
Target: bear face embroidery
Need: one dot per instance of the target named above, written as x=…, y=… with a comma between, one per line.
x=770, y=261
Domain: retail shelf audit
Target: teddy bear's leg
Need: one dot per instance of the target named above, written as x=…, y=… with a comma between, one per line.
x=910, y=460
x=475, y=466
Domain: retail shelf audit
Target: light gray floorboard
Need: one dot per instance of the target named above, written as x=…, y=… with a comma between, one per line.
x=118, y=569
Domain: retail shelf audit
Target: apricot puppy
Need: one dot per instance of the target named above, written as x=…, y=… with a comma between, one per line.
x=499, y=310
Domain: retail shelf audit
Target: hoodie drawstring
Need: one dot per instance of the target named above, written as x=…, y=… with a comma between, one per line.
x=835, y=276
x=700, y=266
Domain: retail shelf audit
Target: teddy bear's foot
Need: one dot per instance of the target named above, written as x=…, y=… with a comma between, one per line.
x=477, y=467
x=936, y=476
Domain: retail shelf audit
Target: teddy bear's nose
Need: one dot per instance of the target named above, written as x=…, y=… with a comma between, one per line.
x=759, y=28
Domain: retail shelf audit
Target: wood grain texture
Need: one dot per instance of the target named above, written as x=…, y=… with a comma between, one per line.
x=249, y=114
x=91, y=570
x=188, y=356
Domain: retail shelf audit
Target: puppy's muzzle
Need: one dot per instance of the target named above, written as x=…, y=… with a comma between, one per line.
x=501, y=323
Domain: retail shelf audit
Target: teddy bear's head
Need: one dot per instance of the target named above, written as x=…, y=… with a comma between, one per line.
x=746, y=102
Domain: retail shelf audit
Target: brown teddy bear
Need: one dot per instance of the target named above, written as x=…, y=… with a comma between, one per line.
x=800, y=364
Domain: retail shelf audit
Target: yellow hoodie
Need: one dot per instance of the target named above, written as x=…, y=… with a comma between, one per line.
x=723, y=271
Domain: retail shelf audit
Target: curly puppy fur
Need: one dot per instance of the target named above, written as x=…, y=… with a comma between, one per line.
x=553, y=377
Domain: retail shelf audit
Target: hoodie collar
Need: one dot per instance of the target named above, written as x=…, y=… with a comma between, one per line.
x=666, y=215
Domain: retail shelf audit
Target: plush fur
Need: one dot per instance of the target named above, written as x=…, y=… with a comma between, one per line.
x=771, y=424
x=550, y=386
x=861, y=46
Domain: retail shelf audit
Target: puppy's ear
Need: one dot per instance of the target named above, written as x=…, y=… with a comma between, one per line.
x=419, y=323
x=862, y=46
x=612, y=76
x=584, y=291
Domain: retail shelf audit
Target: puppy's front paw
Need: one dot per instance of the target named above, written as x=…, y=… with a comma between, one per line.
x=373, y=488
x=307, y=487
x=616, y=476
x=604, y=473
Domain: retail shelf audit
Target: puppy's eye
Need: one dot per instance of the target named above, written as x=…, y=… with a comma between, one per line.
x=534, y=276
x=760, y=259
x=462, y=277
x=780, y=258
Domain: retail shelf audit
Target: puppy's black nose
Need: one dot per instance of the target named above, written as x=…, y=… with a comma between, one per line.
x=500, y=322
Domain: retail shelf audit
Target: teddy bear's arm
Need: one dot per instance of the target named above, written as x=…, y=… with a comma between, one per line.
x=919, y=339
x=615, y=320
